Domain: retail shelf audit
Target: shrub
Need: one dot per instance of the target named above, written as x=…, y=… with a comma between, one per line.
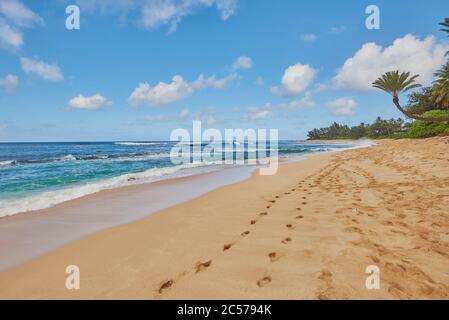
x=424, y=129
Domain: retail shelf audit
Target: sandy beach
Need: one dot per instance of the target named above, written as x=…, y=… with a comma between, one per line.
x=308, y=232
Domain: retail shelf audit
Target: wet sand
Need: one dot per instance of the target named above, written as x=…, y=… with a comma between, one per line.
x=30, y=234
x=308, y=232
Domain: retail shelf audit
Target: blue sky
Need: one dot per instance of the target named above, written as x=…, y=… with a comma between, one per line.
x=137, y=69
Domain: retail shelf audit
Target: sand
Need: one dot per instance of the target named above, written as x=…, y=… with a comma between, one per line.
x=308, y=232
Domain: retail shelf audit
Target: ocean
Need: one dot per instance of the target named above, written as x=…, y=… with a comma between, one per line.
x=35, y=176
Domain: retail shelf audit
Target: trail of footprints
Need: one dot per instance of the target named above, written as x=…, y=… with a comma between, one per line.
x=332, y=178
x=272, y=256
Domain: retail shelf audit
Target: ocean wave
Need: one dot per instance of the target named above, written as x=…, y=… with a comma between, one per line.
x=139, y=143
x=70, y=157
x=7, y=163
x=48, y=199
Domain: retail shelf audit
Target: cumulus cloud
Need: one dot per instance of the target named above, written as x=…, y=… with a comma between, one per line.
x=156, y=13
x=342, y=106
x=9, y=82
x=242, y=63
x=14, y=16
x=177, y=89
x=408, y=53
x=91, y=103
x=309, y=37
x=296, y=79
x=50, y=72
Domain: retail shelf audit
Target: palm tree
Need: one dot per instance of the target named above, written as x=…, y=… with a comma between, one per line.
x=396, y=83
x=440, y=90
x=445, y=25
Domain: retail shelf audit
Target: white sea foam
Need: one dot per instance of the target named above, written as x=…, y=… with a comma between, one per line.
x=50, y=198
x=7, y=163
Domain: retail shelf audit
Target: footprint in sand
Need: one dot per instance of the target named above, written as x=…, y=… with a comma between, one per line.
x=200, y=266
x=286, y=240
x=289, y=226
x=167, y=284
x=227, y=247
x=274, y=256
x=264, y=281
x=245, y=233
x=299, y=217
x=304, y=203
x=263, y=214
x=253, y=221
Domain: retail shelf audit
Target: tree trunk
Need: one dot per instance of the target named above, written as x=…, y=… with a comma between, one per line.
x=408, y=114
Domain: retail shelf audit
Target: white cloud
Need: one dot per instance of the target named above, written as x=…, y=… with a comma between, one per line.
x=177, y=89
x=13, y=17
x=342, y=106
x=156, y=13
x=305, y=102
x=242, y=63
x=18, y=14
x=337, y=30
x=9, y=82
x=408, y=53
x=259, y=81
x=10, y=37
x=91, y=103
x=295, y=80
x=259, y=113
x=50, y=72
x=309, y=37
x=212, y=82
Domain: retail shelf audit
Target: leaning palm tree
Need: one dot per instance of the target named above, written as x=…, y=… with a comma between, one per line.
x=396, y=83
x=445, y=25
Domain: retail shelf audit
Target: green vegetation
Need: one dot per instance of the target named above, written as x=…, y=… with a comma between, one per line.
x=435, y=97
x=381, y=129
x=429, y=107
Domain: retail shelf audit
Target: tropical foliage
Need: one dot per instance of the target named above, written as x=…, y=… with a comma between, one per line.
x=380, y=128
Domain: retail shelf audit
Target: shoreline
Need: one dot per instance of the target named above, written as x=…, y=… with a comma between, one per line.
x=307, y=232
x=44, y=199
x=53, y=222
x=61, y=224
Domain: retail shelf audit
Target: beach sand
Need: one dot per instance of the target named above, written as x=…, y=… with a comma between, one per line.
x=308, y=232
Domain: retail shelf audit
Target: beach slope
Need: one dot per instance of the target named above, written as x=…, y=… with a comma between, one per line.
x=308, y=232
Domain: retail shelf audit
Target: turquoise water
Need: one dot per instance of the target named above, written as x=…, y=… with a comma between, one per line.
x=38, y=175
